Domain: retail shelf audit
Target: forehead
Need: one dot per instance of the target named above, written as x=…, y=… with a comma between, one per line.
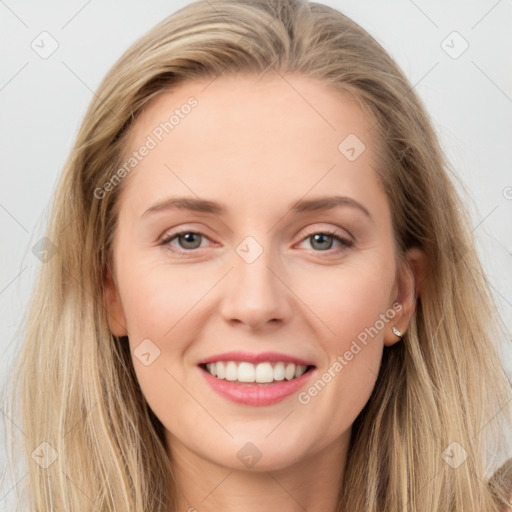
x=242, y=137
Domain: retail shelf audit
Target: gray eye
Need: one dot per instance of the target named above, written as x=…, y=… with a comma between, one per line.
x=321, y=241
x=190, y=240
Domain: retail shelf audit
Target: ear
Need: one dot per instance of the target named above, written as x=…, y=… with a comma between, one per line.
x=116, y=318
x=409, y=279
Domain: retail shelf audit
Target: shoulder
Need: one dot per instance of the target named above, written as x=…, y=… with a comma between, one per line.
x=501, y=485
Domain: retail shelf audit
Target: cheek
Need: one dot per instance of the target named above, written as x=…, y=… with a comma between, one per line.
x=163, y=306
x=352, y=306
x=158, y=299
x=349, y=300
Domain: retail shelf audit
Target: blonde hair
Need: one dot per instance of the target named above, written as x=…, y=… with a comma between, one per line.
x=443, y=384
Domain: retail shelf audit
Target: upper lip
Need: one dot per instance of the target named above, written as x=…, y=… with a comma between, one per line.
x=255, y=358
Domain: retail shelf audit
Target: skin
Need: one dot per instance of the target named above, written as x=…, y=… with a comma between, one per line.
x=256, y=145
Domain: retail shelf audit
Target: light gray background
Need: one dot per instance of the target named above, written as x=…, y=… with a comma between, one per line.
x=43, y=102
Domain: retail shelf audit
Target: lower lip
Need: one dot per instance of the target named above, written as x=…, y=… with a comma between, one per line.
x=256, y=394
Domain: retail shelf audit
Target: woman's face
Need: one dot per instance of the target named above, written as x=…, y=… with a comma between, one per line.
x=254, y=234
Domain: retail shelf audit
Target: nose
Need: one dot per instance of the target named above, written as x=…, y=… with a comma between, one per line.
x=256, y=294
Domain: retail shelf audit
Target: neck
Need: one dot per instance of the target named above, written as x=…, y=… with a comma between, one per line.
x=311, y=484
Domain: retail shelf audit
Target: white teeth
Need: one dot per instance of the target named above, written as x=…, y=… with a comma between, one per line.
x=264, y=372
x=246, y=372
x=231, y=371
x=211, y=369
x=279, y=371
x=289, y=373
x=219, y=369
x=299, y=370
x=260, y=373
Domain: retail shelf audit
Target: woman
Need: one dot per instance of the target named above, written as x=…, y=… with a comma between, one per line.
x=264, y=293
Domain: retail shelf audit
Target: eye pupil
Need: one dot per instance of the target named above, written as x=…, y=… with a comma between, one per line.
x=322, y=237
x=189, y=242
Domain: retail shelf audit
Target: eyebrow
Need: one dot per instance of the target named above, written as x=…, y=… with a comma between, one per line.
x=322, y=203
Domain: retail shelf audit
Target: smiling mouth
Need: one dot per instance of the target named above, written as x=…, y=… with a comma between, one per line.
x=243, y=372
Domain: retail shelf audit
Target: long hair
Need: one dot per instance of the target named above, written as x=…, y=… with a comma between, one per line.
x=439, y=391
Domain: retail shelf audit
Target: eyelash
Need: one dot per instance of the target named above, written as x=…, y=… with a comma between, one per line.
x=345, y=242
